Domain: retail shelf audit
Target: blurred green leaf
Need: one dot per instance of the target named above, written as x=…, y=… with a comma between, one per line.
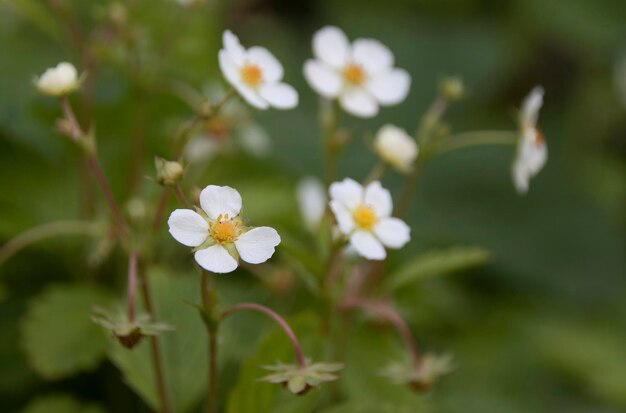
x=360, y=407
x=60, y=404
x=57, y=332
x=37, y=14
x=184, y=350
x=250, y=395
x=437, y=262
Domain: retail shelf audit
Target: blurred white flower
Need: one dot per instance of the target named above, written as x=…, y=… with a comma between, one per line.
x=59, y=80
x=254, y=140
x=396, y=147
x=364, y=214
x=256, y=74
x=361, y=75
x=311, y=196
x=217, y=233
x=532, y=151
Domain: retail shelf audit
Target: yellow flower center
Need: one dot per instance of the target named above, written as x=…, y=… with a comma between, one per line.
x=354, y=74
x=224, y=230
x=539, y=137
x=251, y=75
x=364, y=216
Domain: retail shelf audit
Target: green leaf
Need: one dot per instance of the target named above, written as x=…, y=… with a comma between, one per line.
x=360, y=407
x=437, y=262
x=57, y=332
x=250, y=395
x=184, y=350
x=60, y=404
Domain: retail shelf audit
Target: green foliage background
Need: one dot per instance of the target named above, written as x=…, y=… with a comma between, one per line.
x=540, y=327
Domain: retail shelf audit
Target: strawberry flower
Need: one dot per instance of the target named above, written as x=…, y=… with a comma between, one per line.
x=217, y=234
x=256, y=75
x=364, y=215
x=360, y=75
x=532, y=151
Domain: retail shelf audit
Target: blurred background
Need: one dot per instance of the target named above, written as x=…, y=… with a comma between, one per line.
x=541, y=326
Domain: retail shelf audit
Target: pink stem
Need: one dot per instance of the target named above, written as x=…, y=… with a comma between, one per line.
x=278, y=319
x=132, y=285
x=393, y=318
x=181, y=196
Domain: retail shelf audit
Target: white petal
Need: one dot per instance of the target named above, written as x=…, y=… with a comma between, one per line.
x=251, y=96
x=188, y=227
x=372, y=55
x=257, y=245
x=324, y=79
x=359, y=103
x=378, y=198
x=531, y=105
x=367, y=245
x=229, y=68
x=348, y=192
x=311, y=197
x=331, y=46
x=279, y=95
x=343, y=217
x=393, y=232
x=270, y=66
x=521, y=176
x=216, y=200
x=233, y=47
x=390, y=87
x=216, y=259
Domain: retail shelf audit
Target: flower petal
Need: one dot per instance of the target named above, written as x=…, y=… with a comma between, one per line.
x=257, y=245
x=251, y=96
x=270, y=66
x=216, y=259
x=531, y=105
x=393, y=232
x=229, y=68
x=216, y=200
x=521, y=176
x=359, y=103
x=367, y=245
x=188, y=227
x=348, y=192
x=331, y=46
x=232, y=46
x=372, y=55
x=323, y=78
x=378, y=198
x=390, y=87
x=343, y=217
x=279, y=95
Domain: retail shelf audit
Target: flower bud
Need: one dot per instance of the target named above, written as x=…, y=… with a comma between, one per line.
x=168, y=173
x=396, y=147
x=58, y=81
x=452, y=88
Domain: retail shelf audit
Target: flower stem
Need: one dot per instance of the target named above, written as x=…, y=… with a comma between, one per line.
x=44, y=231
x=376, y=173
x=181, y=195
x=297, y=348
x=477, y=138
x=393, y=318
x=328, y=120
x=209, y=304
x=132, y=286
x=155, y=350
x=160, y=210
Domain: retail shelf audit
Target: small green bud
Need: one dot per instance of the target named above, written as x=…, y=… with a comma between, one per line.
x=168, y=173
x=452, y=88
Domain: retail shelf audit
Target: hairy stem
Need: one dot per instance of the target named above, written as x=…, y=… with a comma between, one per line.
x=297, y=348
x=393, y=318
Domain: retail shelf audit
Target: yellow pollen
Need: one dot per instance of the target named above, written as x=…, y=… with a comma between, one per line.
x=224, y=230
x=251, y=75
x=539, y=137
x=364, y=216
x=353, y=74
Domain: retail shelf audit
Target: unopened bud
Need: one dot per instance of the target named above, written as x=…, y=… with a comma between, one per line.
x=168, y=173
x=452, y=88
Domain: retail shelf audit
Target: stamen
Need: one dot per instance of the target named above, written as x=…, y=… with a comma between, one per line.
x=224, y=230
x=251, y=74
x=364, y=216
x=354, y=74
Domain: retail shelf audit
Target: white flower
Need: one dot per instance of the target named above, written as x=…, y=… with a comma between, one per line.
x=311, y=197
x=59, y=80
x=396, y=147
x=256, y=74
x=217, y=234
x=532, y=151
x=364, y=214
x=361, y=75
